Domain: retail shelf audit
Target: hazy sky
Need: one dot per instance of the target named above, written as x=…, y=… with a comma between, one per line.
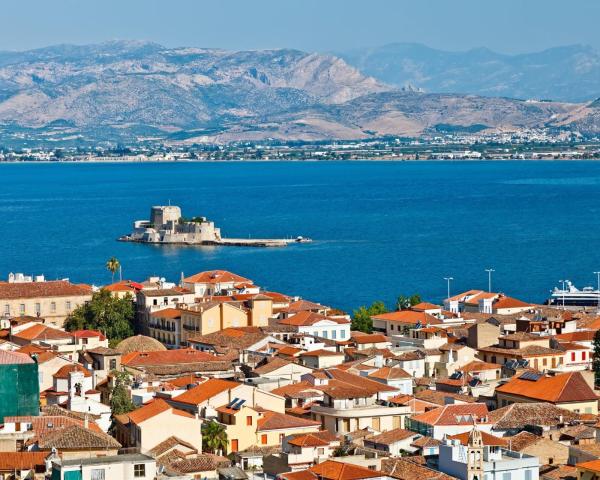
x=315, y=25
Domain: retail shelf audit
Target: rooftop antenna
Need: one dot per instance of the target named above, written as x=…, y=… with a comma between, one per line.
x=489, y=272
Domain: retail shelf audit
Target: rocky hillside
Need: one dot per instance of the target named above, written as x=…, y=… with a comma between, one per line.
x=141, y=90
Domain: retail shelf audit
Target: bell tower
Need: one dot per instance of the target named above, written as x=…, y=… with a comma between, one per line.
x=475, y=455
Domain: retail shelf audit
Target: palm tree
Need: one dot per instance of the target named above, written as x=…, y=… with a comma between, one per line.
x=214, y=437
x=112, y=265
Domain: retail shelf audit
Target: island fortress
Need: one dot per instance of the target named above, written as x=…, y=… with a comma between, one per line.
x=167, y=226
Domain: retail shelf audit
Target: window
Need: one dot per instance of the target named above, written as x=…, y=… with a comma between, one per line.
x=334, y=334
x=342, y=334
x=68, y=306
x=7, y=309
x=572, y=356
x=545, y=362
x=324, y=333
x=527, y=474
x=97, y=474
x=281, y=437
x=139, y=470
x=22, y=309
x=320, y=451
x=249, y=420
x=53, y=307
x=583, y=355
x=263, y=439
x=113, y=364
x=38, y=308
x=506, y=476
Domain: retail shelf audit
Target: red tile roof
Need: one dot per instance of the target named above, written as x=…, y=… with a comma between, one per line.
x=206, y=390
x=489, y=440
x=10, y=461
x=42, y=332
x=63, y=372
x=54, y=288
x=408, y=317
x=216, y=276
x=167, y=357
x=153, y=408
x=167, y=313
x=308, y=440
x=88, y=334
x=333, y=470
x=456, y=414
x=280, y=421
x=305, y=318
x=14, y=358
x=390, y=373
x=566, y=387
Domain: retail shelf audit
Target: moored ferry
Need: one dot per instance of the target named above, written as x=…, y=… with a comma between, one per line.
x=571, y=296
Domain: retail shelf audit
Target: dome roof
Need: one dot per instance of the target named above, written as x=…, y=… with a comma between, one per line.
x=139, y=343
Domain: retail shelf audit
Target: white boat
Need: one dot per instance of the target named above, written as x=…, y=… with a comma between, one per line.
x=571, y=296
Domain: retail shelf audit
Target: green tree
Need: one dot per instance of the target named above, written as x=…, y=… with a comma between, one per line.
x=111, y=315
x=404, y=303
x=361, y=318
x=120, y=401
x=113, y=265
x=596, y=361
x=214, y=437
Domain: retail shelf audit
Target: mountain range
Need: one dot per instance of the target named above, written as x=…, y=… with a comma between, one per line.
x=566, y=74
x=141, y=90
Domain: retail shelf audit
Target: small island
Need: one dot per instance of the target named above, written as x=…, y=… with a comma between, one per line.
x=168, y=227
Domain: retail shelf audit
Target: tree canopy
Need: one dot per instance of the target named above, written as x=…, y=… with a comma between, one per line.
x=120, y=401
x=405, y=302
x=111, y=315
x=361, y=318
x=214, y=437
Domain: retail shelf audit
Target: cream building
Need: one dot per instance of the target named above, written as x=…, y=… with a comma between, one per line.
x=51, y=300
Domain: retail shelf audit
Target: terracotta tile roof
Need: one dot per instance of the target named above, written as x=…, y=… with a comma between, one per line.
x=124, y=286
x=185, y=380
x=299, y=475
x=408, y=469
x=593, y=465
x=53, y=288
x=167, y=357
x=187, y=465
x=10, y=461
x=238, y=337
x=88, y=334
x=14, y=358
x=521, y=336
x=566, y=387
x=64, y=371
x=206, y=390
x=369, y=338
x=278, y=421
x=419, y=307
x=424, y=442
x=170, y=313
x=464, y=295
x=166, y=292
x=517, y=415
x=522, y=440
x=103, y=351
x=440, y=398
x=77, y=437
x=408, y=317
x=321, y=353
x=272, y=365
x=389, y=373
x=477, y=366
x=561, y=472
x=308, y=440
x=298, y=390
x=153, y=408
x=392, y=436
x=216, y=276
x=488, y=439
x=347, y=385
x=42, y=332
x=455, y=414
x=168, y=444
x=289, y=351
x=139, y=343
x=277, y=297
x=509, y=302
x=528, y=351
x=32, y=348
x=306, y=318
x=579, y=336
x=304, y=305
x=333, y=470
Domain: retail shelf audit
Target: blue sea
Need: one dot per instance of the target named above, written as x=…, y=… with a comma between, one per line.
x=380, y=229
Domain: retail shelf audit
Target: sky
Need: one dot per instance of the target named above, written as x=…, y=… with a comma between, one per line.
x=507, y=26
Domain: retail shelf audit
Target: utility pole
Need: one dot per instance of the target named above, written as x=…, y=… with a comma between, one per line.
x=489, y=272
x=448, y=280
x=563, y=292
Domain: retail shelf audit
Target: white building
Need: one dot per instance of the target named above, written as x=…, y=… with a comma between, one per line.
x=480, y=456
x=118, y=467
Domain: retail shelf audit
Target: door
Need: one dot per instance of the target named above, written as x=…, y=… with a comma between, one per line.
x=377, y=424
x=73, y=475
x=234, y=445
